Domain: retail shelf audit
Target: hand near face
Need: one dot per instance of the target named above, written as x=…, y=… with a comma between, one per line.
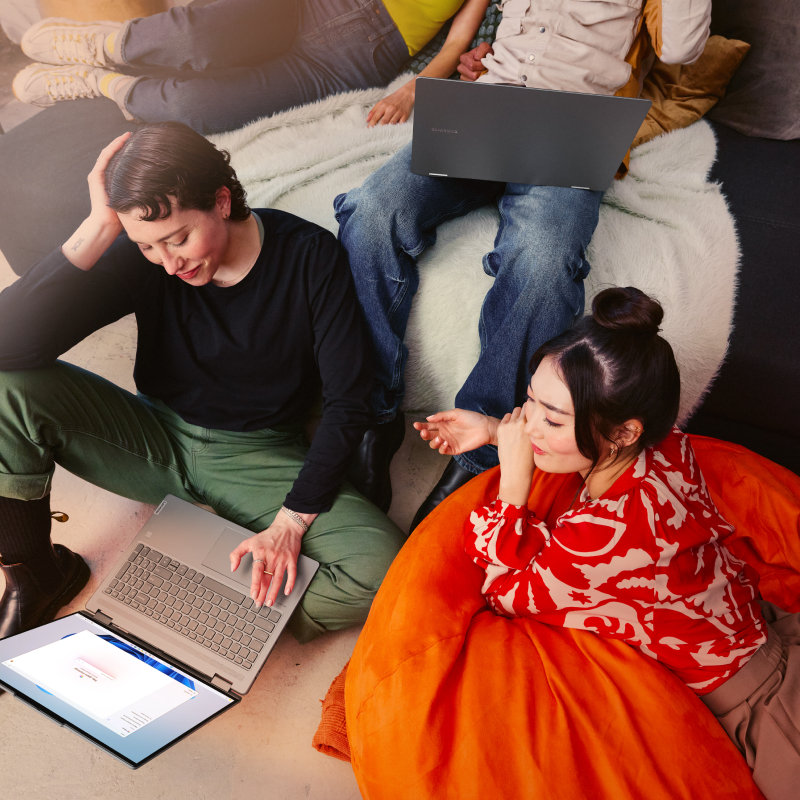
x=457, y=431
x=94, y=235
x=516, y=458
x=275, y=552
x=97, y=183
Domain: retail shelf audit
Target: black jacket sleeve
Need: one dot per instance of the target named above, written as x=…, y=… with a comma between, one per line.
x=344, y=358
x=55, y=305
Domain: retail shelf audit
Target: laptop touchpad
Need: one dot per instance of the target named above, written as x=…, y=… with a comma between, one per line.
x=218, y=557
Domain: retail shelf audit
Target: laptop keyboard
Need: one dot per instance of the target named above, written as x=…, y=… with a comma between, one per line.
x=194, y=605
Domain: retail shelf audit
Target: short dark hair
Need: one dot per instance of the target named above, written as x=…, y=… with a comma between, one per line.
x=617, y=367
x=169, y=159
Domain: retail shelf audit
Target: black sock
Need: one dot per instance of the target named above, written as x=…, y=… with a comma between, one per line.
x=25, y=531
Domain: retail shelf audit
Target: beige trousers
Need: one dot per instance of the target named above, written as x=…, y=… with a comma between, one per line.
x=759, y=707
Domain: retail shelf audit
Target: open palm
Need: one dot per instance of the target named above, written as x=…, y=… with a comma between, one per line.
x=457, y=431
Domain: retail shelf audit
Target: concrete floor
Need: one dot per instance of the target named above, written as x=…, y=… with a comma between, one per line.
x=261, y=748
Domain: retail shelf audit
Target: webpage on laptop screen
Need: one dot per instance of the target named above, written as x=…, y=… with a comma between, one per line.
x=107, y=687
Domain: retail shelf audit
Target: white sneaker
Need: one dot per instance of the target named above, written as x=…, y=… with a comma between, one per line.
x=54, y=40
x=44, y=84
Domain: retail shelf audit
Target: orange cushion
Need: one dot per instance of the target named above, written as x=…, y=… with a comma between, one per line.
x=762, y=500
x=331, y=734
x=444, y=699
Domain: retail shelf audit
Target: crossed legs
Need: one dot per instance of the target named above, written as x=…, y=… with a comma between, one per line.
x=141, y=450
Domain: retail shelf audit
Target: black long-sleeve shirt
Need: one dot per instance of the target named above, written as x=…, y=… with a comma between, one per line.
x=249, y=356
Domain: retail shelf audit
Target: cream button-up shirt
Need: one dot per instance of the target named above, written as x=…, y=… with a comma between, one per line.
x=582, y=45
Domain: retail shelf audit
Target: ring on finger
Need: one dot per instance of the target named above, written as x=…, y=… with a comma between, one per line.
x=258, y=560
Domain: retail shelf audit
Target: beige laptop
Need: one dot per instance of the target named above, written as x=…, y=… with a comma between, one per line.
x=169, y=640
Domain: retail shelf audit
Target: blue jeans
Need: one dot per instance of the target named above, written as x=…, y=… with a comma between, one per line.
x=538, y=263
x=221, y=65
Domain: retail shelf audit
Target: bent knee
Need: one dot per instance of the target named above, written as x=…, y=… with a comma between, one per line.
x=532, y=269
x=366, y=571
x=27, y=382
x=380, y=233
x=356, y=561
x=362, y=215
x=341, y=593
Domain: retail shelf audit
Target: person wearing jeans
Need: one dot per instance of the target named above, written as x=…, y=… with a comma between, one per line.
x=538, y=260
x=218, y=65
x=538, y=263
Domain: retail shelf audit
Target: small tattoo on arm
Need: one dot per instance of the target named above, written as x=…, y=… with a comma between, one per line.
x=77, y=245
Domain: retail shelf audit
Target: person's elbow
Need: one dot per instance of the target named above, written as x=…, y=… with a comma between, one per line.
x=683, y=41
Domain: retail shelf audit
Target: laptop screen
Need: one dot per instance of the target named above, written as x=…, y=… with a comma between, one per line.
x=519, y=134
x=129, y=701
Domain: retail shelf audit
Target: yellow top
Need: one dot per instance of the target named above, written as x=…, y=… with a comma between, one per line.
x=420, y=20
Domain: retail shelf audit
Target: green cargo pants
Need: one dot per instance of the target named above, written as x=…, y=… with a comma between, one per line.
x=138, y=448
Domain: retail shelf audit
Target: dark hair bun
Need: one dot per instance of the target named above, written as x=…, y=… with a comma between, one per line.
x=627, y=310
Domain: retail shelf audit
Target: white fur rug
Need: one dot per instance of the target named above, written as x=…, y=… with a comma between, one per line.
x=664, y=228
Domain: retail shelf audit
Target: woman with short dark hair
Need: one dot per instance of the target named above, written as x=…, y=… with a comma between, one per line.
x=639, y=555
x=169, y=162
x=244, y=319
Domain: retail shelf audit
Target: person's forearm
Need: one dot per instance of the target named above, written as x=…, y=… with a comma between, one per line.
x=325, y=467
x=492, y=424
x=678, y=29
x=514, y=487
x=442, y=65
x=462, y=31
x=91, y=239
x=504, y=535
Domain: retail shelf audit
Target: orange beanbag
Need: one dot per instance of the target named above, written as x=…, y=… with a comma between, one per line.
x=445, y=699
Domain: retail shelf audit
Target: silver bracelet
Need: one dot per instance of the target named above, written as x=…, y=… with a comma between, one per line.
x=296, y=517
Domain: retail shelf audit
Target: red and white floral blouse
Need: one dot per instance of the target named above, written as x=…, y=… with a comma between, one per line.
x=644, y=563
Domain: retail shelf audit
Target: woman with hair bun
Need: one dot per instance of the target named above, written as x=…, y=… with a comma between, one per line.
x=639, y=556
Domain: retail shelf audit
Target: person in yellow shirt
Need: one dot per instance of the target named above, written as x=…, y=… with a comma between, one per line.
x=218, y=65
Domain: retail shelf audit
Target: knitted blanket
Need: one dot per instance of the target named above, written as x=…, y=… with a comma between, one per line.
x=664, y=228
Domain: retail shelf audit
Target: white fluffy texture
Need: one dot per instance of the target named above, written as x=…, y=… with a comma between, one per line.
x=664, y=229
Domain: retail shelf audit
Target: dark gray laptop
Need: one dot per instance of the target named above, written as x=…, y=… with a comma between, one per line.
x=518, y=134
x=170, y=640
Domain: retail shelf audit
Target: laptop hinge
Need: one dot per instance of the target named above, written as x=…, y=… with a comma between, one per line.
x=102, y=618
x=220, y=683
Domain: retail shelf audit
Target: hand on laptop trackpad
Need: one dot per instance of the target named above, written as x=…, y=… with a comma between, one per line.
x=218, y=558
